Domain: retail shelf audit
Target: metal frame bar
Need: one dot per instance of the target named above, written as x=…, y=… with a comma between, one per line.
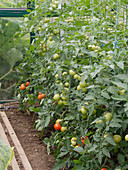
x=13, y=12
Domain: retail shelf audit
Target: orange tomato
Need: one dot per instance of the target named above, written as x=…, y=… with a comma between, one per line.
x=22, y=87
x=39, y=93
x=27, y=83
x=83, y=139
x=57, y=126
x=43, y=96
x=103, y=169
x=39, y=97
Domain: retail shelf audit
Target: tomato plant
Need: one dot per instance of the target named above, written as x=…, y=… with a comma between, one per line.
x=79, y=59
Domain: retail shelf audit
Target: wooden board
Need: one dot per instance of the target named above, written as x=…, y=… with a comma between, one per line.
x=16, y=142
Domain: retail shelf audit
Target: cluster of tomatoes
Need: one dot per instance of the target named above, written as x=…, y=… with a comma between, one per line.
x=57, y=126
x=41, y=96
x=23, y=86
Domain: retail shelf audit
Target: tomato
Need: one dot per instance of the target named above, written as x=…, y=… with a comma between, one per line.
x=84, y=89
x=56, y=97
x=103, y=169
x=57, y=126
x=103, y=106
x=108, y=116
x=75, y=76
x=59, y=120
x=60, y=102
x=83, y=111
x=39, y=97
x=84, y=84
x=55, y=56
x=22, y=87
x=67, y=84
x=39, y=93
x=43, y=96
x=63, y=129
x=126, y=137
x=27, y=83
x=83, y=139
x=78, y=88
x=117, y=138
x=71, y=72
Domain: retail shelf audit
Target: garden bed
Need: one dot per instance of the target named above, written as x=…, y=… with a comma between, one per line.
x=29, y=139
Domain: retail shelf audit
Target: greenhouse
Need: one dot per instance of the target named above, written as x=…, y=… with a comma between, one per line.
x=64, y=85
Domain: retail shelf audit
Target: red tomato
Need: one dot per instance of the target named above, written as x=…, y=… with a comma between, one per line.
x=27, y=83
x=83, y=139
x=22, y=87
x=40, y=93
x=57, y=126
x=103, y=169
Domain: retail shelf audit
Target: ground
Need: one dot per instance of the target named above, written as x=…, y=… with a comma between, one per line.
x=29, y=138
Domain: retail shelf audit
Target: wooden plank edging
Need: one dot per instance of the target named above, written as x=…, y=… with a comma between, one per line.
x=16, y=142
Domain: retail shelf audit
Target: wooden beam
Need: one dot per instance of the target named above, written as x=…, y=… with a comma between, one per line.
x=14, y=163
x=16, y=142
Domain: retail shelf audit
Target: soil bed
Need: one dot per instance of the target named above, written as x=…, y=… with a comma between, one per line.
x=29, y=138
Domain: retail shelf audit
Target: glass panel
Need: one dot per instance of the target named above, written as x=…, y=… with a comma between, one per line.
x=11, y=54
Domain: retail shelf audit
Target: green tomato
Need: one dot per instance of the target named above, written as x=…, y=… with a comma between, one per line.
x=56, y=97
x=84, y=84
x=108, y=116
x=126, y=137
x=83, y=111
x=84, y=116
x=60, y=102
x=71, y=72
x=84, y=89
x=78, y=88
x=55, y=56
x=75, y=76
x=67, y=84
x=117, y=138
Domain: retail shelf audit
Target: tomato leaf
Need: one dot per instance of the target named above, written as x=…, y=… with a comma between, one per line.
x=106, y=152
x=60, y=164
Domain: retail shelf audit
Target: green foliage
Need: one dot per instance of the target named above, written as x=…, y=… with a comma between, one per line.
x=6, y=155
x=83, y=42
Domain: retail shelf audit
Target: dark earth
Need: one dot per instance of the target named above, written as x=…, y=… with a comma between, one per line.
x=29, y=138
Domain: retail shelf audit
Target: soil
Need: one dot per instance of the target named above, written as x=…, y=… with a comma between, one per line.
x=29, y=138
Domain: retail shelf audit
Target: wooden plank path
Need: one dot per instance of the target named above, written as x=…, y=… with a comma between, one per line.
x=17, y=145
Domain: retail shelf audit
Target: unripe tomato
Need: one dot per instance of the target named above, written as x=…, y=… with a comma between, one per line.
x=56, y=56
x=22, y=87
x=67, y=84
x=84, y=84
x=126, y=137
x=60, y=102
x=117, y=138
x=39, y=96
x=83, y=111
x=78, y=88
x=56, y=97
x=27, y=83
x=73, y=139
x=57, y=126
x=71, y=72
x=73, y=143
x=63, y=129
x=59, y=120
x=43, y=96
x=108, y=116
x=75, y=76
x=84, y=89
x=84, y=116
